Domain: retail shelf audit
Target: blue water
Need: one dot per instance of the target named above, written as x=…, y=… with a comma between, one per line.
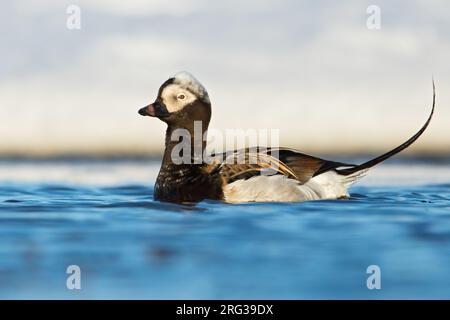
x=129, y=246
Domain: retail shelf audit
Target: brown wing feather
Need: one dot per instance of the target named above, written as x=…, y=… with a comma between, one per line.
x=306, y=166
x=246, y=163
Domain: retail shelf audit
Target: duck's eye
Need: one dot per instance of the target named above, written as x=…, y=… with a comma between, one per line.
x=181, y=96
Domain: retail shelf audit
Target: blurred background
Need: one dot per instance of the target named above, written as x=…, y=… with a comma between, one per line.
x=312, y=69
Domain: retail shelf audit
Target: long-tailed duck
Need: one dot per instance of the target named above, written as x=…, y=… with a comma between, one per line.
x=182, y=100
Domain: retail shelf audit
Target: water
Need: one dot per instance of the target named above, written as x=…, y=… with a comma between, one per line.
x=101, y=217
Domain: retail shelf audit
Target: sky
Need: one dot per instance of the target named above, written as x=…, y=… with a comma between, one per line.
x=311, y=69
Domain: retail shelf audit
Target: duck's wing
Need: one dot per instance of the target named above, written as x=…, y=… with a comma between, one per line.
x=250, y=162
x=305, y=166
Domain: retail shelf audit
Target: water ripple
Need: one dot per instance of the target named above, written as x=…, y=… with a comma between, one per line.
x=291, y=250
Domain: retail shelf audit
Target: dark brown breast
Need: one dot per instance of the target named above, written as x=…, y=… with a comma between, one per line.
x=187, y=183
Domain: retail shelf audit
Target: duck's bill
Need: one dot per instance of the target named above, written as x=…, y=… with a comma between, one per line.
x=148, y=111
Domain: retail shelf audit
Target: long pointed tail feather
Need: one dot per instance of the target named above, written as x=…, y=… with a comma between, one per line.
x=371, y=163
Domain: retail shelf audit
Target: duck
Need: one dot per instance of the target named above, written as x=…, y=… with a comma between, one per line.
x=271, y=174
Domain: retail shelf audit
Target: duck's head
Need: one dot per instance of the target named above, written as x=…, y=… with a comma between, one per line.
x=181, y=100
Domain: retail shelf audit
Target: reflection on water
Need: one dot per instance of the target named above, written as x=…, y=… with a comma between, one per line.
x=129, y=246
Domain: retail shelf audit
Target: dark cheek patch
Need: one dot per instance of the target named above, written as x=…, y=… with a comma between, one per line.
x=160, y=109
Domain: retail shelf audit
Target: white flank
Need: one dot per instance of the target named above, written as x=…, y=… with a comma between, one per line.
x=328, y=185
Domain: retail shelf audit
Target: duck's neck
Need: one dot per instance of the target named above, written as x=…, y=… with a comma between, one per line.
x=183, y=176
x=184, y=145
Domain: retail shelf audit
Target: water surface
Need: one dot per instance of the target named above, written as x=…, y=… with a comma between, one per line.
x=101, y=216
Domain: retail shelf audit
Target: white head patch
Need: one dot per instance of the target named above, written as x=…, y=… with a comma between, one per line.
x=184, y=90
x=187, y=81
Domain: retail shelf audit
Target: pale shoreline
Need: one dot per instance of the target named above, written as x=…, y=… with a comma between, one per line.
x=144, y=172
